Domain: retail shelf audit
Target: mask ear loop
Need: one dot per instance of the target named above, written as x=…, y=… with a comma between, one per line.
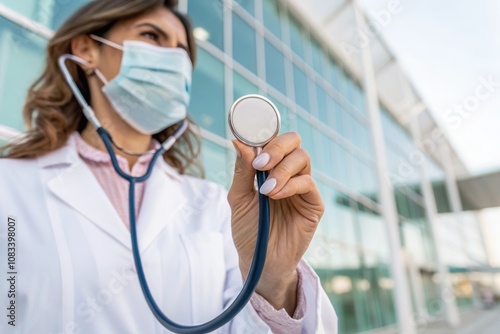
x=89, y=113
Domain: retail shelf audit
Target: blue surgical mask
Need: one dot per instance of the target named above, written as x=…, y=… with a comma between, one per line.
x=152, y=90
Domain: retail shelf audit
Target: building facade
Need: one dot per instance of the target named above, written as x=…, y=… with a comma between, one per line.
x=261, y=46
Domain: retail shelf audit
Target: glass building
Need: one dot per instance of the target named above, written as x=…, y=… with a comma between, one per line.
x=261, y=46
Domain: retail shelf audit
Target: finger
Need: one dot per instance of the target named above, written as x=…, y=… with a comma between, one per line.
x=244, y=173
x=276, y=150
x=300, y=185
x=296, y=163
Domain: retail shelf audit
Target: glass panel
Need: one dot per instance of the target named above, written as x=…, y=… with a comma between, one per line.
x=330, y=112
x=339, y=120
x=335, y=77
x=20, y=64
x=322, y=103
x=306, y=132
x=207, y=99
x=344, y=84
x=317, y=57
x=286, y=116
x=272, y=17
x=326, y=157
x=296, y=37
x=275, y=68
x=242, y=86
x=207, y=18
x=301, y=88
x=342, y=164
x=248, y=5
x=373, y=236
x=244, y=44
x=50, y=13
x=214, y=161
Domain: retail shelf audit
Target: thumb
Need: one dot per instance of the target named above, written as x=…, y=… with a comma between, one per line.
x=244, y=173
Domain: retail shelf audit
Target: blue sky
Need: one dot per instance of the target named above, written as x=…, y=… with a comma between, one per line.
x=446, y=47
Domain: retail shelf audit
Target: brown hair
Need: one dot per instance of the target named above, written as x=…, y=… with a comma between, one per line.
x=52, y=113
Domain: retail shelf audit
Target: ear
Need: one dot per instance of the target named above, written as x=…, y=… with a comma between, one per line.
x=86, y=48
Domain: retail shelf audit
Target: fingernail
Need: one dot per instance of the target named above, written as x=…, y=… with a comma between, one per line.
x=268, y=186
x=261, y=161
x=238, y=152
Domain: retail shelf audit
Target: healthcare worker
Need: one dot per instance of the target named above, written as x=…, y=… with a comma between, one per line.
x=72, y=261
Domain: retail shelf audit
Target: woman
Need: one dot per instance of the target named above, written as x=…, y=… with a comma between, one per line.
x=75, y=267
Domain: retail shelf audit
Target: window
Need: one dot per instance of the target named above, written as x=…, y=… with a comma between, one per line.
x=244, y=44
x=21, y=61
x=296, y=37
x=241, y=86
x=207, y=99
x=275, y=68
x=322, y=105
x=306, y=132
x=49, y=13
x=340, y=114
x=341, y=164
x=301, y=84
x=326, y=161
x=214, y=161
x=207, y=16
x=285, y=115
x=272, y=17
x=318, y=56
x=248, y=5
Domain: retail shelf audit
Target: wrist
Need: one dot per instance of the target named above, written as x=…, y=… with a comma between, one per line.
x=280, y=292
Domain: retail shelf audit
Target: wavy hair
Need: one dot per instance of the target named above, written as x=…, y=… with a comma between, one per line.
x=51, y=112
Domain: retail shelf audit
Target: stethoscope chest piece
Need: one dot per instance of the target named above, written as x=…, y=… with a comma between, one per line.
x=254, y=120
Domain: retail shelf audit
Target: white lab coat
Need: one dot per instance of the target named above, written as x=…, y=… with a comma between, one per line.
x=75, y=270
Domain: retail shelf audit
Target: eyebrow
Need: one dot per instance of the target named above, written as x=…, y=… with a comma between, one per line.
x=163, y=34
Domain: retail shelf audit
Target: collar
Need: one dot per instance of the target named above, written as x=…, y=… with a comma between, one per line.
x=88, y=152
x=68, y=155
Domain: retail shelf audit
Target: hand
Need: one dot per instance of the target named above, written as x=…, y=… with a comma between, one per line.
x=296, y=209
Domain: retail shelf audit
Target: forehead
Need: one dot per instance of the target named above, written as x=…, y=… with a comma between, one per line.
x=164, y=19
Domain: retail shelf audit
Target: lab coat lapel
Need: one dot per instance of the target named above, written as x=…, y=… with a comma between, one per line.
x=75, y=185
x=162, y=203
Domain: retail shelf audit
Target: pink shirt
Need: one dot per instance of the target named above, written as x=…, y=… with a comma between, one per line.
x=116, y=189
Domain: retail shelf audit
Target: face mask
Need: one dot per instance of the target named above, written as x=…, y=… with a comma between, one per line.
x=152, y=90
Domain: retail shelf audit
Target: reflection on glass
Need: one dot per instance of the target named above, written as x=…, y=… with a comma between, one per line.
x=275, y=68
x=322, y=103
x=373, y=236
x=326, y=161
x=208, y=15
x=334, y=75
x=306, y=132
x=301, y=88
x=286, y=116
x=217, y=169
x=49, y=13
x=20, y=65
x=296, y=37
x=318, y=56
x=272, y=17
x=339, y=119
x=357, y=293
x=248, y=5
x=341, y=166
x=207, y=99
x=241, y=86
x=244, y=44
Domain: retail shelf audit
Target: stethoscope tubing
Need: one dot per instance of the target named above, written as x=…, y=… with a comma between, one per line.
x=256, y=268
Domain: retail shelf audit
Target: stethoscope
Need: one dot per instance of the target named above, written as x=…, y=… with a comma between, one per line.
x=254, y=121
